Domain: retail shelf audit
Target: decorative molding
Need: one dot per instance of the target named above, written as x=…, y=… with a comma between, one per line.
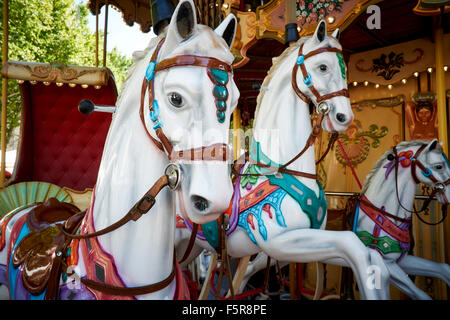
x=383, y=103
x=56, y=72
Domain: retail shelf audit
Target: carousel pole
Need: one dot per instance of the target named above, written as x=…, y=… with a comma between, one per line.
x=105, y=35
x=96, y=33
x=290, y=36
x=4, y=92
x=441, y=110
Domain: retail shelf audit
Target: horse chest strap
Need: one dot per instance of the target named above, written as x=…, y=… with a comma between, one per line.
x=383, y=222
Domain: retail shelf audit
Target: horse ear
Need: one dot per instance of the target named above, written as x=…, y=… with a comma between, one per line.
x=336, y=34
x=227, y=29
x=321, y=31
x=433, y=145
x=182, y=25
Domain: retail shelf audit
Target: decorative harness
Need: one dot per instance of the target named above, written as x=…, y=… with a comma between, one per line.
x=398, y=239
x=218, y=73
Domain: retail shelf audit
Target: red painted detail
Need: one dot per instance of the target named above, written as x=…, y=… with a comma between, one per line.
x=251, y=198
x=266, y=208
x=407, y=161
x=250, y=220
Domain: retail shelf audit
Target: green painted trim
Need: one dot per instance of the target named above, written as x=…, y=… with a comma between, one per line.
x=384, y=244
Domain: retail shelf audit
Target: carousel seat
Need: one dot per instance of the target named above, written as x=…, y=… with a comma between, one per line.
x=58, y=144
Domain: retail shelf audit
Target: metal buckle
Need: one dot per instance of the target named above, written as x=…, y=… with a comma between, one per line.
x=323, y=108
x=439, y=186
x=173, y=173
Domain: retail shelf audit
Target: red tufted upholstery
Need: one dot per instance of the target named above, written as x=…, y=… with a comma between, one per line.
x=59, y=144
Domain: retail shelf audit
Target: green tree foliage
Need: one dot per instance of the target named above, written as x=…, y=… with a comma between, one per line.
x=52, y=31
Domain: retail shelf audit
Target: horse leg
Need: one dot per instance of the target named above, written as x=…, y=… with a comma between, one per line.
x=309, y=245
x=401, y=280
x=423, y=267
x=257, y=264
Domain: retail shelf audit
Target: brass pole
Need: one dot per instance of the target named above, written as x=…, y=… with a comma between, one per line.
x=96, y=33
x=440, y=88
x=4, y=92
x=442, y=113
x=236, y=132
x=105, y=34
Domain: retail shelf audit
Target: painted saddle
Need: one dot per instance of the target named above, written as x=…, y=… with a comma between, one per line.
x=39, y=248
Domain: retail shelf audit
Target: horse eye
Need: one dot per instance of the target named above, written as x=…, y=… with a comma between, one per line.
x=439, y=167
x=176, y=100
x=323, y=68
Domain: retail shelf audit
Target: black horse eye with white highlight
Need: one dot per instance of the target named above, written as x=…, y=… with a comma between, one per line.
x=323, y=68
x=176, y=100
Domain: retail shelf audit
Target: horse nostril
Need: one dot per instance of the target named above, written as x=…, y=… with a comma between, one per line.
x=200, y=203
x=341, y=117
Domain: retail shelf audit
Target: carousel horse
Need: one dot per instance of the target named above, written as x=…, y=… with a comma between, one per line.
x=383, y=213
x=181, y=87
x=382, y=216
x=281, y=209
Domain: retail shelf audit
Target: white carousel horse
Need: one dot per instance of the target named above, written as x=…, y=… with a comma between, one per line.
x=186, y=68
x=391, y=238
x=383, y=214
x=286, y=219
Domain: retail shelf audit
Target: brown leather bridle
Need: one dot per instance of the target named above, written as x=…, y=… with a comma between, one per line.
x=215, y=152
x=307, y=79
x=322, y=109
x=438, y=187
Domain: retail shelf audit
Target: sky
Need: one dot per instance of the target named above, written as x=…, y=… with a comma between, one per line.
x=125, y=38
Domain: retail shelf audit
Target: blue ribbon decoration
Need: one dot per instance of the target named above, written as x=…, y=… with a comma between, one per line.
x=307, y=80
x=426, y=173
x=300, y=59
x=150, y=72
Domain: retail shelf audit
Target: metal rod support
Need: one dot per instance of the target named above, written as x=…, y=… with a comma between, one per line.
x=4, y=92
x=105, y=35
x=348, y=194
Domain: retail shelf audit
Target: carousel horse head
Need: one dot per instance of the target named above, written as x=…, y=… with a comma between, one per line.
x=426, y=162
x=194, y=101
x=320, y=77
x=430, y=166
x=186, y=99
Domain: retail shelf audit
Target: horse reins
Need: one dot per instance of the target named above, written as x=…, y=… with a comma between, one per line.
x=172, y=175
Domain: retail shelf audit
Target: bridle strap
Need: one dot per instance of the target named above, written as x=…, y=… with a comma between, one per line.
x=415, y=163
x=126, y=291
x=191, y=243
x=139, y=209
x=319, y=97
x=191, y=60
x=217, y=152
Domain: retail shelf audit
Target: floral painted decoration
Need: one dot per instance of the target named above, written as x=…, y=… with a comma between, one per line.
x=314, y=10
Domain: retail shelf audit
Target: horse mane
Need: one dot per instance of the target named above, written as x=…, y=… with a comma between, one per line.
x=138, y=56
x=276, y=62
x=380, y=162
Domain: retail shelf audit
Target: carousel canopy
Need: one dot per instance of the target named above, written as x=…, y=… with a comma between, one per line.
x=132, y=11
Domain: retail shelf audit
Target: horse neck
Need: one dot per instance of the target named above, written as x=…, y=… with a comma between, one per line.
x=282, y=124
x=382, y=191
x=130, y=165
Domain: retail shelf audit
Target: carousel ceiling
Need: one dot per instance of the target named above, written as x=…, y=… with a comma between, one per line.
x=399, y=23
